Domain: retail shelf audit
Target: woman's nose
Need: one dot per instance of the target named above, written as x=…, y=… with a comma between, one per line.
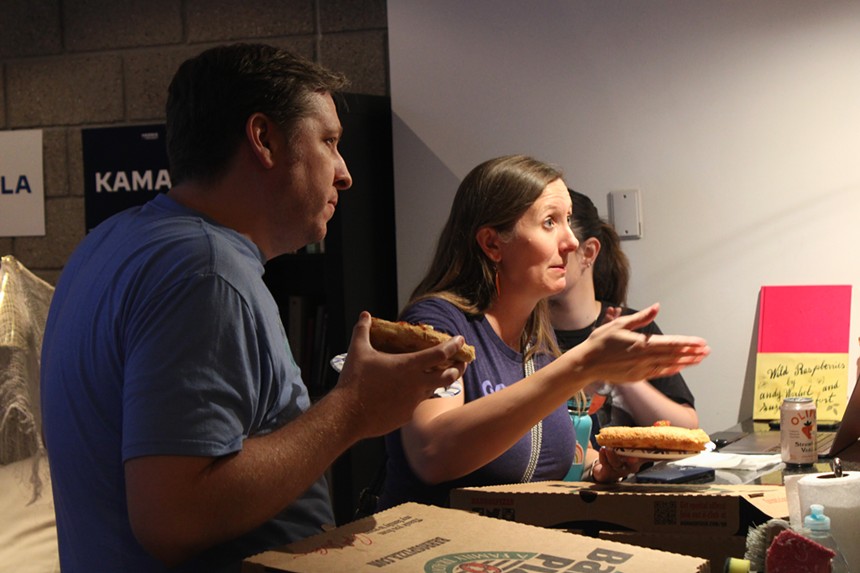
x=571, y=241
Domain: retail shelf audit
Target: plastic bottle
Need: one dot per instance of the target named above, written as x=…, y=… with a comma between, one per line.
x=816, y=526
x=582, y=426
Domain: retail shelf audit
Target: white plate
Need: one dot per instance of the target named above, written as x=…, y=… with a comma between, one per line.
x=655, y=454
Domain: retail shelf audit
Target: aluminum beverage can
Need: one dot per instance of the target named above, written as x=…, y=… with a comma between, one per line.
x=798, y=428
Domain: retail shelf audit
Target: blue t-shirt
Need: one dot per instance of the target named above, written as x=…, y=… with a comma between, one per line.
x=162, y=339
x=496, y=366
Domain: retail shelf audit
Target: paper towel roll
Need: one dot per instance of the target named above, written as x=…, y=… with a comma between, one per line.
x=840, y=497
x=795, y=516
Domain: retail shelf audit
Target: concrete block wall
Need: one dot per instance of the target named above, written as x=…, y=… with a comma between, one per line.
x=70, y=64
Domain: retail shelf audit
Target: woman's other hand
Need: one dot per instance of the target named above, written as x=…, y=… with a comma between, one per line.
x=610, y=466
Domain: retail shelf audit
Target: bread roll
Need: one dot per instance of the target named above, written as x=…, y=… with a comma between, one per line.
x=653, y=438
x=400, y=337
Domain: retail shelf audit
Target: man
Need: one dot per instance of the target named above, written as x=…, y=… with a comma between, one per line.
x=178, y=430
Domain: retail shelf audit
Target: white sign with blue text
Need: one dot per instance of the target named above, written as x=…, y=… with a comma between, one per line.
x=22, y=189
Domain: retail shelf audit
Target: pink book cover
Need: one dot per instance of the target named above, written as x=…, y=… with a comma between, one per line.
x=809, y=319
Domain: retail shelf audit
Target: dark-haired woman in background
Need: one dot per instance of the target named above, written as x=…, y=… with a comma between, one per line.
x=597, y=277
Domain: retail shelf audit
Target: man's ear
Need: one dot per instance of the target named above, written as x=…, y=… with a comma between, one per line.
x=490, y=242
x=261, y=134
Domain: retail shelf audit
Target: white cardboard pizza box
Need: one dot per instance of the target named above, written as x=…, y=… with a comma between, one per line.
x=418, y=538
x=715, y=548
x=656, y=508
x=705, y=520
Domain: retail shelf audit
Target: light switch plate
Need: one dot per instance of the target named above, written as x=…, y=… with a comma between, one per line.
x=625, y=213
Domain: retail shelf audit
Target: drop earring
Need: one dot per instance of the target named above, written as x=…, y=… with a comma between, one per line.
x=498, y=287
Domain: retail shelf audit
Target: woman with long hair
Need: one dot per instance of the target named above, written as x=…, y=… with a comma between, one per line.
x=502, y=253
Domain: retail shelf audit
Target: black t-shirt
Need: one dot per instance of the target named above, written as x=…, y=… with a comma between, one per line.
x=672, y=386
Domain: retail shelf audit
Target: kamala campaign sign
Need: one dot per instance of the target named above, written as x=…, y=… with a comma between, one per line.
x=123, y=167
x=22, y=189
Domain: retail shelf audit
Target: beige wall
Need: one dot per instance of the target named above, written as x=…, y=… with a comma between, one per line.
x=737, y=121
x=67, y=65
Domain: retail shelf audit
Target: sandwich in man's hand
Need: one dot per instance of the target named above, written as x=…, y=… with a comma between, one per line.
x=400, y=337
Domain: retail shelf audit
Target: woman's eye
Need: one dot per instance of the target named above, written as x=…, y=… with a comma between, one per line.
x=548, y=223
x=569, y=219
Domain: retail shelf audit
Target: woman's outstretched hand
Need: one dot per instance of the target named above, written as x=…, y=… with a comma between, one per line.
x=615, y=352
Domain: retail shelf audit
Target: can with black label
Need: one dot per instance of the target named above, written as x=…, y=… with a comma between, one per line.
x=798, y=428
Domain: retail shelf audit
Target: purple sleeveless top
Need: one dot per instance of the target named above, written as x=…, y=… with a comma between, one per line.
x=496, y=366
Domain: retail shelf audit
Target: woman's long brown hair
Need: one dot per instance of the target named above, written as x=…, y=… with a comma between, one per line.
x=494, y=194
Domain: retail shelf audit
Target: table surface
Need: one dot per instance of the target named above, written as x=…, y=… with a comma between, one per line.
x=823, y=463
x=772, y=475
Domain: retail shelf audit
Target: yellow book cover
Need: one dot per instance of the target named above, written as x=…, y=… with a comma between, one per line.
x=803, y=339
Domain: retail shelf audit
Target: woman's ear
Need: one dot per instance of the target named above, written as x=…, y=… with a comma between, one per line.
x=490, y=242
x=590, y=248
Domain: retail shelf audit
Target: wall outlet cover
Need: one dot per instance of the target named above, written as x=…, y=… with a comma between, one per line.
x=625, y=213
